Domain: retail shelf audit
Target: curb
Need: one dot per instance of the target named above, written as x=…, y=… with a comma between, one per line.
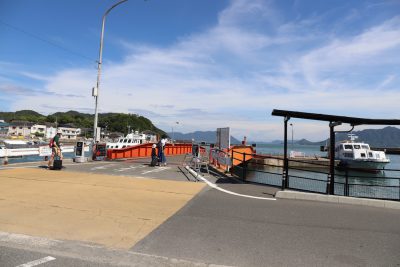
x=338, y=199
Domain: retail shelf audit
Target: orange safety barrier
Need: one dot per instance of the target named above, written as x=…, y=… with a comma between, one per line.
x=237, y=154
x=144, y=150
x=240, y=154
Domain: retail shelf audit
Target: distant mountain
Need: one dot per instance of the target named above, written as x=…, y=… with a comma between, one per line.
x=386, y=137
x=200, y=136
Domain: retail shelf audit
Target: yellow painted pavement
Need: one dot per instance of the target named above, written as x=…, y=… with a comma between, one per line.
x=110, y=210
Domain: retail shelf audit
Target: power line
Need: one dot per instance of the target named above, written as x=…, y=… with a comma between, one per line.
x=47, y=41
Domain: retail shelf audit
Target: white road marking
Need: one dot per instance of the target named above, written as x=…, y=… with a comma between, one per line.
x=132, y=167
x=37, y=262
x=13, y=166
x=157, y=169
x=103, y=167
x=221, y=189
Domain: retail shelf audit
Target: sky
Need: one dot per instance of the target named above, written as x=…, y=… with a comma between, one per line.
x=205, y=64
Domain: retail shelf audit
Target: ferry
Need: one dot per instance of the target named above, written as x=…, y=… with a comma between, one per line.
x=132, y=139
x=358, y=155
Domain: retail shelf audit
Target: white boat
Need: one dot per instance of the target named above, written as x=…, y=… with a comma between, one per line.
x=132, y=139
x=358, y=155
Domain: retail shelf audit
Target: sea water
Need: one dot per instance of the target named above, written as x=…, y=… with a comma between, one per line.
x=388, y=177
x=313, y=150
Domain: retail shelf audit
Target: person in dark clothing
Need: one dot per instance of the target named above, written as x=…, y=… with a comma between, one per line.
x=56, y=150
x=154, y=158
x=160, y=150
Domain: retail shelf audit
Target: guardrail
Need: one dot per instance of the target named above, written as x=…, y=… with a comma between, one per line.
x=308, y=176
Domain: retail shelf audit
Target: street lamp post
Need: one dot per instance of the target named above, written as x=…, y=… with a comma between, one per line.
x=96, y=89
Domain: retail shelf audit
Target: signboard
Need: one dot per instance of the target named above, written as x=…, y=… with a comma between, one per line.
x=79, y=151
x=221, y=157
x=223, y=138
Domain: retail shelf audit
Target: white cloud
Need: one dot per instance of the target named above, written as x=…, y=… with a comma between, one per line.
x=235, y=73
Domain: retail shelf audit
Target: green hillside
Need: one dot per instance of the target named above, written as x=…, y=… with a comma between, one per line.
x=114, y=122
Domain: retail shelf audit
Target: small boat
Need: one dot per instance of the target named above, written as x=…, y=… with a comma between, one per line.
x=358, y=155
x=132, y=139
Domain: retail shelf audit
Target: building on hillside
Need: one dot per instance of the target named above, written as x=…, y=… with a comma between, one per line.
x=69, y=132
x=51, y=130
x=38, y=130
x=20, y=128
x=4, y=128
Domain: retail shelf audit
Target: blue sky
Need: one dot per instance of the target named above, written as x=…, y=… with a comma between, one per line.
x=205, y=64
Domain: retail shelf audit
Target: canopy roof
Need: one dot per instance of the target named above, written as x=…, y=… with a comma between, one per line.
x=333, y=118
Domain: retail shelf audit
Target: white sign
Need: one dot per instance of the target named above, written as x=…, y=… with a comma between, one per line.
x=44, y=151
x=223, y=138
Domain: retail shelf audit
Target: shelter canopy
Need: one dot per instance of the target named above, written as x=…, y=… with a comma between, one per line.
x=333, y=118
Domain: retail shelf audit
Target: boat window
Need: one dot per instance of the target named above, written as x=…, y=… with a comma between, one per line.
x=363, y=155
x=119, y=140
x=130, y=141
x=356, y=146
x=348, y=155
x=348, y=146
x=125, y=140
x=370, y=154
x=365, y=146
x=123, y=146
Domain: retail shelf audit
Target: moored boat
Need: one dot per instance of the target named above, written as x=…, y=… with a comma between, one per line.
x=132, y=139
x=359, y=155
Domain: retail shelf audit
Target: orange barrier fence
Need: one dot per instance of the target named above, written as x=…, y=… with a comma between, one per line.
x=144, y=150
x=235, y=155
x=240, y=154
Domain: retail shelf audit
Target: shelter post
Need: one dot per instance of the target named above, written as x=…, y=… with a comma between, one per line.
x=285, y=182
x=331, y=177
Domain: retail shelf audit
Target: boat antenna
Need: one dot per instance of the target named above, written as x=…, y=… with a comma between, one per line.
x=352, y=136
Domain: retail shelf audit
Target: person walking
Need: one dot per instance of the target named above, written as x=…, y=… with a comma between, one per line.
x=55, y=149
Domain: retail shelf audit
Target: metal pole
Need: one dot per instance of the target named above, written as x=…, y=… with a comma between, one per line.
x=292, y=135
x=285, y=159
x=99, y=70
x=332, y=157
x=244, y=167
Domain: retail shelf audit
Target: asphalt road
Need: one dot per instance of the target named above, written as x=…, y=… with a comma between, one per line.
x=221, y=228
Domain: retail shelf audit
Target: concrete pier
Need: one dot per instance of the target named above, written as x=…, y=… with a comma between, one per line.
x=297, y=162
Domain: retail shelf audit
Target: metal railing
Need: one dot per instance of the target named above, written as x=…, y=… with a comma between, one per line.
x=312, y=175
